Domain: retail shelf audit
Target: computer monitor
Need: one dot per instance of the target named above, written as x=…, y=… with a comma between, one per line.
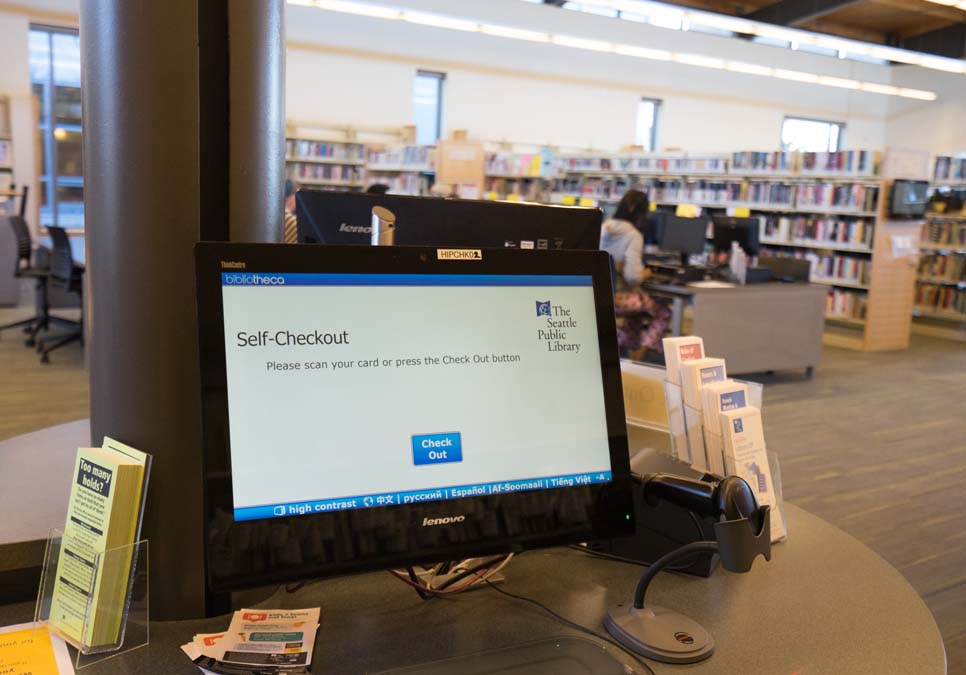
x=374, y=407
x=686, y=236
x=346, y=218
x=741, y=230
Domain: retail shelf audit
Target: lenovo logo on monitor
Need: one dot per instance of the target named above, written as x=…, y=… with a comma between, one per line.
x=429, y=522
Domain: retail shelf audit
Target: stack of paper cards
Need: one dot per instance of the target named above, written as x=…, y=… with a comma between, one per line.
x=716, y=398
x=743, y=441
x=259, y=642
x=695, y=375
x=677, y=350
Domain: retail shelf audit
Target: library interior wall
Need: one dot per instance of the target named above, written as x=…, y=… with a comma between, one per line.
x=15, y=84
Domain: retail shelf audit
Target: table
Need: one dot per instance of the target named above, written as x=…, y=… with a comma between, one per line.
x=824, y=604
x=756, y=328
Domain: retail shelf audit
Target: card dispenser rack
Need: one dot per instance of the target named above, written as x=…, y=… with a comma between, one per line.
x=123, y=564
x=695, y=444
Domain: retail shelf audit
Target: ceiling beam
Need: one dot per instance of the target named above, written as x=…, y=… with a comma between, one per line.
x=949, y=41
x=795, y=12
x=925, y=8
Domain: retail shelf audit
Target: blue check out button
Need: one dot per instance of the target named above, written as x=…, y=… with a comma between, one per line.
x=437, y=448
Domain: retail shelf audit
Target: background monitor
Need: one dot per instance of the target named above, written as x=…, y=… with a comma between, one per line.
x=373, y=407
x=345, y=218
x=908, y=199
x=686, y=236
x=741, y=230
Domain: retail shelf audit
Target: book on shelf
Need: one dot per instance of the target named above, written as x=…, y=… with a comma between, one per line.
x=643, y=164
x=818, y=230
x=940, y=299
x=763, y=162
x=826, y=196
x=332, y=173
x=949, y=170
x=943, y=268
x=405, y=157
x=523, y=165
x=296, y=148
x=842, y=304
x=944, y=231
x=847, y=162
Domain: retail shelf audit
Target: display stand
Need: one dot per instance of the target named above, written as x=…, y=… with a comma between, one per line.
x=701, y=447
x=101, y=602
x=130, y=615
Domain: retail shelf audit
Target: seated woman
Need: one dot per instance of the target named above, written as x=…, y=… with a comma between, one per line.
x=620, y=237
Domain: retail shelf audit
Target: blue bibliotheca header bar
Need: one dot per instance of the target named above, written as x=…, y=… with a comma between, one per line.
x=311, y=279
x=419, y=496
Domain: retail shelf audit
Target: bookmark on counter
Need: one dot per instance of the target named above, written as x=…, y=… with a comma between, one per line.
x=30, y=649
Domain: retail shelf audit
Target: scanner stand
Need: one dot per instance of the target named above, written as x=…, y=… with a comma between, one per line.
x=665, y=635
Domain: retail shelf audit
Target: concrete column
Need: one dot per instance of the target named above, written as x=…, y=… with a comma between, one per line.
x=158, y=178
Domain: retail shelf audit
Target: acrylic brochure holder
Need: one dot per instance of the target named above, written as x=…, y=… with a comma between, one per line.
x=105, y=612
x=130, y=616
x=701, y=446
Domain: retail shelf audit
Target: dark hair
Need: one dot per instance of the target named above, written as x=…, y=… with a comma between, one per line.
x=633, y=207
x=289, y=188
x=378, y=189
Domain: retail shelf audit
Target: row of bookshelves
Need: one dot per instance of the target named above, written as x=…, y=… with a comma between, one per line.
x=942, y=269
x=846, y=305
x=945, y=231
x=329, y=174
x=846, y=163
x=416, y=158
x=832, y=270
x=848, y=199
x=937, y=300
x=297, y=150
x=853, y=234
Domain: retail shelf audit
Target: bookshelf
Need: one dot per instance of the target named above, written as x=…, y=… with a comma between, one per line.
x=8, y=191
x=326, y=164
x=940, y=299
x=407, y=169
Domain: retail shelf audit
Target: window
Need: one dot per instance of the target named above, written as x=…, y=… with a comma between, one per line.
x=55, y=79
x=811, y=135
x=647, y=118
x=428, y=106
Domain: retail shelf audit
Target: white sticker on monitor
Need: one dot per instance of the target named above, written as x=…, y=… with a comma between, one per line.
x=459, y=254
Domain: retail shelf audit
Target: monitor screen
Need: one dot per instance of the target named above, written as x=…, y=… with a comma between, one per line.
x=346, y=218
x=461, y=395
x=909, y=199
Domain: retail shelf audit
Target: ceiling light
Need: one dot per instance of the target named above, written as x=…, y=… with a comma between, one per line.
x=360, y=8
x=438, y=21
x=840, y=82
x=582, y=43
x=918, y=94
x=698, y=60
x=796, y=75
x=876, y=88
x=643, y=52
x=749, y=68
x=722, y=22
x=941, y=63
x=514, y=33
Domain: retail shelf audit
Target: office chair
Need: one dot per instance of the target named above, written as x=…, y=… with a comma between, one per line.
x=25, y=269
x=68, y=276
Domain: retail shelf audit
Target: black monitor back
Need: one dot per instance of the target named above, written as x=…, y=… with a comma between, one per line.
x=684, y=235
x=346, y=217
x=785, y=268
x=742, y=230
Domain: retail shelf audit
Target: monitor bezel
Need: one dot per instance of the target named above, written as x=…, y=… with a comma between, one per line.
x=613, y=513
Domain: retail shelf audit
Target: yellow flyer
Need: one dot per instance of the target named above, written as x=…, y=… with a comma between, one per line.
x=29, y=649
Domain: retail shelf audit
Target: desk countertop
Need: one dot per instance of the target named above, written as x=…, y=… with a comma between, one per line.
x=824, y=604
